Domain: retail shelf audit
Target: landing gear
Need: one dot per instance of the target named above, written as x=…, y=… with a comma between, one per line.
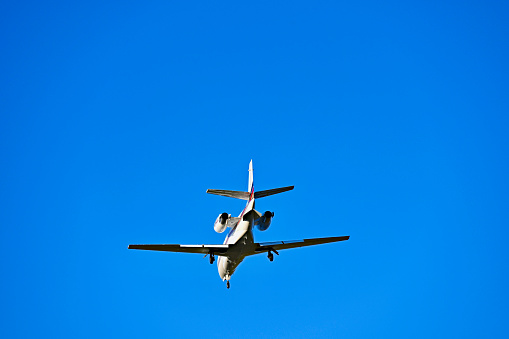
x=270, y=255
x=227, y=283
x=212, y=259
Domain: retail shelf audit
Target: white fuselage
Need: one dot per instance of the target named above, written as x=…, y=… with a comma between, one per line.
x=241, y=239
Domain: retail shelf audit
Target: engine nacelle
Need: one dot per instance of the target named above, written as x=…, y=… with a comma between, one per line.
x=265, y=220
x=220, y=224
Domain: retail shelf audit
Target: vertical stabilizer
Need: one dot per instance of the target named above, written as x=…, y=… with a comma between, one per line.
x=250, y=183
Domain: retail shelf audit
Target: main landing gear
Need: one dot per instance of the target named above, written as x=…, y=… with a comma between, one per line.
x=270, y=255
x=211, y=258
x=227, y=283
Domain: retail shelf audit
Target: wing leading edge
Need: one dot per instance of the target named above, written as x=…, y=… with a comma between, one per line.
x=202, y=249
x=283, y=245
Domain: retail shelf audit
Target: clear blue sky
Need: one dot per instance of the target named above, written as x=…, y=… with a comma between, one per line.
x=390, y=118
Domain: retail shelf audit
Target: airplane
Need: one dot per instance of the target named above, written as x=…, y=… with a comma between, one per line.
x=239, y=242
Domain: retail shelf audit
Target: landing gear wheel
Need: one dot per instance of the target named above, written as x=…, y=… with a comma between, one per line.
x=212, y=259
x=270, y=256
x=227, y=284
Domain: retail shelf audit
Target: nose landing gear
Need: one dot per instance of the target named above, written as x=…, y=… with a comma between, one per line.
x=227, y=283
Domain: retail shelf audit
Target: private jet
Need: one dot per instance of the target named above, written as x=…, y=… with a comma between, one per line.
x=239, y=242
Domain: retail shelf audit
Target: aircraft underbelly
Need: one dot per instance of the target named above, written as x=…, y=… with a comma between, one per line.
x=228, y=263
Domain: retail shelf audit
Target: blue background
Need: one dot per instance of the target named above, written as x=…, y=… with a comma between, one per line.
x=390, y=118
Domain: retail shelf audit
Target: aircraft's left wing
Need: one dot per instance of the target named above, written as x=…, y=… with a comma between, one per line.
x=283, y=245
x=203, y=249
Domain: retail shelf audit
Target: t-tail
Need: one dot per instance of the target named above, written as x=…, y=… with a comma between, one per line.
x=250, y=194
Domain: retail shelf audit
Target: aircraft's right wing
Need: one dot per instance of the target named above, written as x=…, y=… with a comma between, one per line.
x=283, y=245
x=203, y=249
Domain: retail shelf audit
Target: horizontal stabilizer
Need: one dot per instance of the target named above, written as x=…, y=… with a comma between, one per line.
x=231, y=194
x=266, y=193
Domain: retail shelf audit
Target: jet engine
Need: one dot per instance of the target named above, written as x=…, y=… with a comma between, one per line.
x=264, y=221
x=220, y=224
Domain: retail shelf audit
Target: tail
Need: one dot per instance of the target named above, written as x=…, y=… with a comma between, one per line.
x=250, y=187
x=247, y=195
